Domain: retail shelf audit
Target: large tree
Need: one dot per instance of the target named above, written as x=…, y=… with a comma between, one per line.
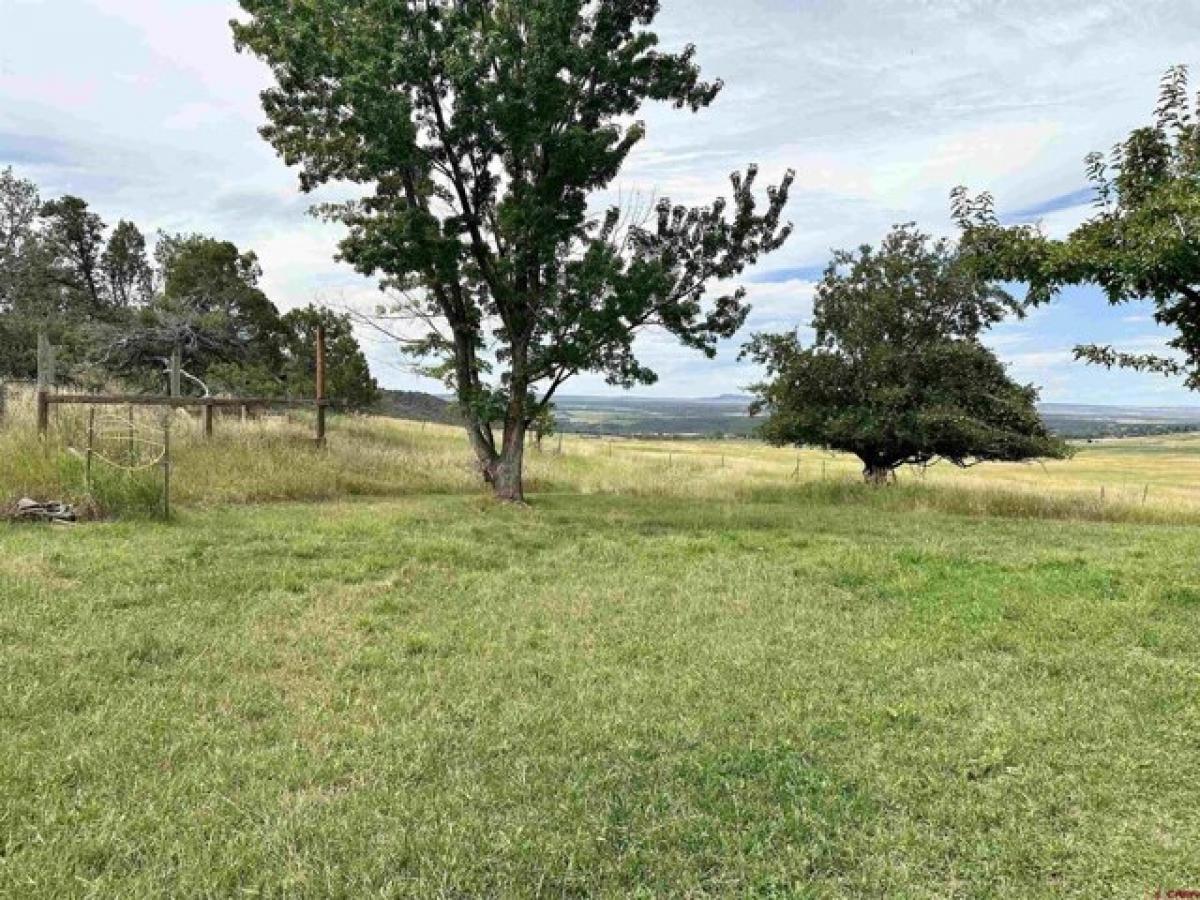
x=482, y=129
x=20, y=206
x=1142, y=243
x=207, y=277
x=897, y=374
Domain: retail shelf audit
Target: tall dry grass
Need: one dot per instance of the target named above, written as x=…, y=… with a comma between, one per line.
x=273, y=458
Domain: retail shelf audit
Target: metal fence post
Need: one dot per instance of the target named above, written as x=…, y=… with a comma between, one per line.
x=91, y=445
x=320, y=385
x=45, y=377
x=166, y=465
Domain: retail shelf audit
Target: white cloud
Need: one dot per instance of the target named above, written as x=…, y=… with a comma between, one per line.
x=144, y=108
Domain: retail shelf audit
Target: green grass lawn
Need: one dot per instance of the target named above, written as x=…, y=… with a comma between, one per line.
x=600, y=696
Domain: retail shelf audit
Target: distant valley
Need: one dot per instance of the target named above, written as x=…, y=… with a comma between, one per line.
x=727, y=416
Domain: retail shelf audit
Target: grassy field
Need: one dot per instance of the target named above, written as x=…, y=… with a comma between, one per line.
x=685, y=671
x=1133, y=480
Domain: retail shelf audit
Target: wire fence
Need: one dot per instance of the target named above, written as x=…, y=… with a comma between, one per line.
x=141, y=446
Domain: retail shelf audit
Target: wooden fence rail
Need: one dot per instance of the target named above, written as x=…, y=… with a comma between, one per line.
x=47, y=398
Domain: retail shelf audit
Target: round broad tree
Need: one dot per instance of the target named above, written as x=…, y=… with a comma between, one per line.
x=897, y=374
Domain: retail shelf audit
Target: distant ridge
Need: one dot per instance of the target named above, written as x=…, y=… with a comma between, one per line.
x=1078, y=420
x=417, y=406
x=1168, y=413
x=729, y=398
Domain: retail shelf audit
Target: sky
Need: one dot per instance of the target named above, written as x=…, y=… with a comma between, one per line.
x=144, y=108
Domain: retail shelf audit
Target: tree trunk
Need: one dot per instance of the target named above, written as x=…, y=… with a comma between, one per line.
x=483, y=440
x=503, y=470
x=508, y=471
x=508, y=475
x=483, y=443
x=877, y=474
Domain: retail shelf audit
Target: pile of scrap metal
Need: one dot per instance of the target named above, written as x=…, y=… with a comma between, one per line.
x=28, y=510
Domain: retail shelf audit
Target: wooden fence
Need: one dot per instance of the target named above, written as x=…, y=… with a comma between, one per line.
x=46, y=397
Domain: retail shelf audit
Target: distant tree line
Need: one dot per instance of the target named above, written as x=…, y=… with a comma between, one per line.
x=116, y=309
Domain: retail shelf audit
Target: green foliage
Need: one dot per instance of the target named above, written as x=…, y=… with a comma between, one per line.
x=897, y=374
x=19, y=208
x=348, y=378
x=482, y=128
x=545, y=424
x=113, y=314
x=128, y=275
x=210, y=307
x=208, y=279
x=29, y=296
x=1142, y=244
x=77, y=237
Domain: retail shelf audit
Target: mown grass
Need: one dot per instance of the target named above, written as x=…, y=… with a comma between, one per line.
x=690, y=669
x=600, y=696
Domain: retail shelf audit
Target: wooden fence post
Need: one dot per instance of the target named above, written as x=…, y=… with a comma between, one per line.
x=176, y=371
x=45, y=361
x=208, y=421
x=43, y=412
x=320, y=385
x=3, y=400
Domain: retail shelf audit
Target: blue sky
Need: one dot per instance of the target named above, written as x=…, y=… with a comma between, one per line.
x=143, y=108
